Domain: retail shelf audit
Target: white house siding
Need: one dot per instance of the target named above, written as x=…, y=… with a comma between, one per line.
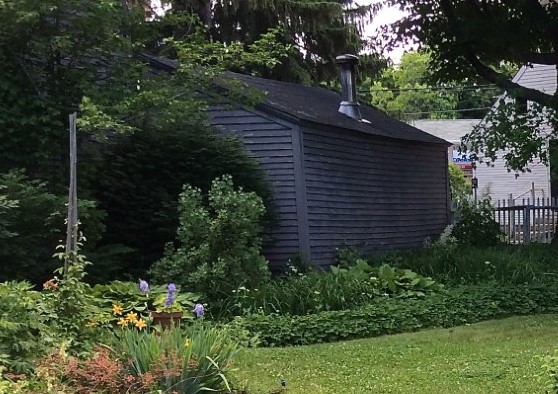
x=538, y=76
x=495, y=180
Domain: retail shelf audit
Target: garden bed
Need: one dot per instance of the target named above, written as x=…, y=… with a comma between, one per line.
x=458, y=306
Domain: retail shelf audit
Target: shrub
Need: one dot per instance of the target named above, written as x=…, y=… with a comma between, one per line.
x=5, y=206
x=139, y=178
x=338, y=289
x=31, y=224
x=467, y=304
x=476, y=226
x=100, y=372
x=8, y=385
x=20, y=325
x=460, y=186
x=59, y=316
x=219, y=248
x=198, y=356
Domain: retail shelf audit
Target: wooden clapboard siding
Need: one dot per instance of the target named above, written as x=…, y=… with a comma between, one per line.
x=380, y=182
x=495, y=180
x=271, y=143
x=537, y=76
x=372, y=192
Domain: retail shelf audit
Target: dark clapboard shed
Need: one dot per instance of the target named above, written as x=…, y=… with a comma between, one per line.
x=342, y=174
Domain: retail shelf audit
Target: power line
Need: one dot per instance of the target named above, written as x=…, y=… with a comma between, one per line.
x=455, y=88
x=448, y=110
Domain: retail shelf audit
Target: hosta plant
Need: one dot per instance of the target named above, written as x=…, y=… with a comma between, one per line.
x=128, y=304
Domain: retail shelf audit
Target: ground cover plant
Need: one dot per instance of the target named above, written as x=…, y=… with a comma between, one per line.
x=499, y=356
x=357, y=280
x=458, y=306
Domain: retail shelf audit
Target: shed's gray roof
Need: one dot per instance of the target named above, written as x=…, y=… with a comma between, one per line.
x=451, y=130
x=317, y=106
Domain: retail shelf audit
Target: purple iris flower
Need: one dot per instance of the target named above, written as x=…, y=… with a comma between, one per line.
x=198, y=308
x=143, y=286
x=171, y=291
x=170, y=299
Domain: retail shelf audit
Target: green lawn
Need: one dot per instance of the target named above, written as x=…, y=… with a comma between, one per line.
x=498, y=356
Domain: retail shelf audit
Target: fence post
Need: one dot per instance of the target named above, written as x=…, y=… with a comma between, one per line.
x=526, y=225
x=511, y=219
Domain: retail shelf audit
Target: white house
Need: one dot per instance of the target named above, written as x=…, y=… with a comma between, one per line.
x=494, y=179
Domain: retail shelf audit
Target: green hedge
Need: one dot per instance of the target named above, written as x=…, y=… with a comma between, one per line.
x=466, y=304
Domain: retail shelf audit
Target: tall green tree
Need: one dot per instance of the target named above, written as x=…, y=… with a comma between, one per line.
x=470, y=38
x=319, y=30
x=404, y=91
x=84, y=55
x=66, y=55
x=411, y=91
x=52, y=54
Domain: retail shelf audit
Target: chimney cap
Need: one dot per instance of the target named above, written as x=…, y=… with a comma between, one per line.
x=346, y=59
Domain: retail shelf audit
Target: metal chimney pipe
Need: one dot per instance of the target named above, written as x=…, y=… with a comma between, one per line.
x=349, y=104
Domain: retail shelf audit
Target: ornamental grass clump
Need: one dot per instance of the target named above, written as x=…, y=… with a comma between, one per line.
x=199, y=355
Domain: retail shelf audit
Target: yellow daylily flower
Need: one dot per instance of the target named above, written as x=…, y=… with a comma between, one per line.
x=187, y=342
x=116, y=310
x=132, y=317
x=141, y=324
x=122, y=322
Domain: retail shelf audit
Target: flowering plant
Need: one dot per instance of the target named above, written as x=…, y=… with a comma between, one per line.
x=199, y=310
x=129, y=319
x=172, y=300
x=130, y=303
